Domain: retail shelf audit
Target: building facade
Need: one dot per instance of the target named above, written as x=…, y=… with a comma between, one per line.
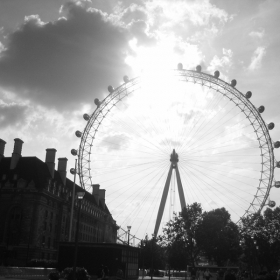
x=35, y=208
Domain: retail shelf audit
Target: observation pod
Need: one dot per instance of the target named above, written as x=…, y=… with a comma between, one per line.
x=277, y=144
x=126, y=79
x=271, y=203
x=86, y=117
x=96, y=102
x=248, y=94
x=110, y=89
x=261, y=109
x=270, y=126
x=198, y=68
x=278, y=164
x=74, y=152
x=78, y=133
x=217, y=74
x=277, y=184
x=180, y=66
x=73, y=171
x=233, y=83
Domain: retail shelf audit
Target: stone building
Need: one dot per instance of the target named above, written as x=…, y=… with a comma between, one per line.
x=35, y=207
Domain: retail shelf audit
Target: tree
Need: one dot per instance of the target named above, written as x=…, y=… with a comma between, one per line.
x=262, y=231
x=181, y=231
x=218, y=236
x=151, y=254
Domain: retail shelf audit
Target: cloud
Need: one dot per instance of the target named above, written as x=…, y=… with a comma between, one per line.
x=66, y=62
x=257, y=34
x=222, y=63
x=115, y=142
x=256, y=59
x=11, y=114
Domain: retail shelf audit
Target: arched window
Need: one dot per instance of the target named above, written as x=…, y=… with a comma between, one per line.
x=14, y=226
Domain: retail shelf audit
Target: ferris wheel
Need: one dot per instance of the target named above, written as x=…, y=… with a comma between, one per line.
x=223, y=146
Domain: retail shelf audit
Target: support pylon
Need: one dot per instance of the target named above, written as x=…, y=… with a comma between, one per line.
x=174, y=165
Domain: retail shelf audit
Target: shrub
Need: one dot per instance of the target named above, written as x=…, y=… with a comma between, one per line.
x=81, y=273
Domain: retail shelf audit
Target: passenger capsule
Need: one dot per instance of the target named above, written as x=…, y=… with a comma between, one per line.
x=233, y=83
x=270, y=126
x=278, y=164
x=198, y=68
x=217, y=74
x=110, y=89
x=73, y=171
x=126, y=79
x=271, y=203
x=96, y=102
x=180, y=66
x=277, y=144
x=78, y=133
x=86, y=117
x=74, y=152
x=248, y=94
x=277, y=184
x=261, y=109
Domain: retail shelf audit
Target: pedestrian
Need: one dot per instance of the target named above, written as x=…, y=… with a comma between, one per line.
x=119, y=274
x=199, y=274
x=278, y=274
x=207, y=274
x=105, y=272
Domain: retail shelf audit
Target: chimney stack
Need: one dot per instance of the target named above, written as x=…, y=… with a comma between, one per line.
x=50, y=158
x=62, y=165
x=2, y=148
x=95, y=192
x=16, y=153
x=102, y=197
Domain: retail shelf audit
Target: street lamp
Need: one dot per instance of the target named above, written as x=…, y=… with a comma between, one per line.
x=74, y=172
x=128, y=231
x=80, y=196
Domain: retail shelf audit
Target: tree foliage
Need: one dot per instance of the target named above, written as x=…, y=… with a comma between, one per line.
x=181, y=231
x=218, y=236
x=261, y=238
x=151, y=254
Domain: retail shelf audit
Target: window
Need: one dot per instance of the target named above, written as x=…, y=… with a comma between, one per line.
x=49, y=242
x=46, y=214
x=13, y=234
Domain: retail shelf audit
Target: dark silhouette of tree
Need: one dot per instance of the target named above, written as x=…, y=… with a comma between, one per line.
x=181, y=232
x=261, y=239
x=218, y=237
x=152, y=254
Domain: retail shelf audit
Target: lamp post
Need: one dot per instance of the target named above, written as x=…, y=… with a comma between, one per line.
x=80, y=196
x=74, y=172
x=152, y=264
x=128, y=233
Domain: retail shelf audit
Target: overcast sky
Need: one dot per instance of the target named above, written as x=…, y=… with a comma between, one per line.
x=57, y=56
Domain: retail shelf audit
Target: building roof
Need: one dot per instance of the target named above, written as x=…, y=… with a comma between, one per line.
x=34, y=169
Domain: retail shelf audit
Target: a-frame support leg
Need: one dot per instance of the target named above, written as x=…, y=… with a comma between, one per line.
x=180, y=188
x=163, y=201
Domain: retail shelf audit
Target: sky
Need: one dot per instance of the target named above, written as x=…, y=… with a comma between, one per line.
x=57, y=56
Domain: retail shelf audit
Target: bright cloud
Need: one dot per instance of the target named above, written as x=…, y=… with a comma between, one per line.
x=257, y=34
x=257, y=58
